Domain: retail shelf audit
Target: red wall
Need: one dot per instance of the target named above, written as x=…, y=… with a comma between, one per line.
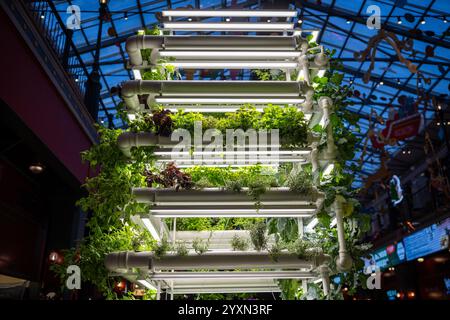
x=27, y=89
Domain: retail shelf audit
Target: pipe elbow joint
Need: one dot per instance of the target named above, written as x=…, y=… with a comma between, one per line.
x=131, y=44
x=344, y=262
x=321, y=59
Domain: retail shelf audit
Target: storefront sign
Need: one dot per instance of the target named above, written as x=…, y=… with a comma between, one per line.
x=387, y=256
x=427, y=241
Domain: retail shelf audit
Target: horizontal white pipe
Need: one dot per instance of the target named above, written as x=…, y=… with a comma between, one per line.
x=181, y=166
x=246, y=275
x=235, y=162
x=248, y=152
x=219, y=195
x=233, y=65
x=230, y=54
x=202, y=100
x=230, y=203
x=225, y=214
x=229, y=13
x=223, y=290
x=194, y=91
x=207, y=108
x=137, y=43
x=127, y=140
x=228, y=26
x=126, y=260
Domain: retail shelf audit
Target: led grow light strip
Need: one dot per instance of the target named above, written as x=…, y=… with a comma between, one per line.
x=229, y=203
x=244, y=213
x=147, y=284
x=151, y=228
x=228, y=13
x=230, y=54
x=231, y=275
x=228, y=26
x=202, y=100
x=218, y=162
x=234, y=65
x=249, y=152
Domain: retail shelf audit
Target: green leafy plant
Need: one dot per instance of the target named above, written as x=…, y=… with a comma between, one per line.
x=258, y=236
x=200, y=246
x=275, y=250
x=181, y=248
x=239, y=243
x=301, y=181
x=161, y=249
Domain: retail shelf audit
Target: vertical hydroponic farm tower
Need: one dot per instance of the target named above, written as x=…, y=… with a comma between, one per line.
x=225, y=40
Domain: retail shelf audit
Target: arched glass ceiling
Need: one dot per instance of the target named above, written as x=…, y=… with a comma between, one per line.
x=343, y=27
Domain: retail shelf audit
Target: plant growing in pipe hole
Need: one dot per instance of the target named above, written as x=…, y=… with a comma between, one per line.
x=170, y=177
x=161, y=248
x=239, y=243
x=300, y=181
x=200, y=246
x=258, y=236
x=275, y=250
x=181, y=248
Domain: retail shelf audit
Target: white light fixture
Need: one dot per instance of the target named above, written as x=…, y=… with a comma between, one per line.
x=36, y=168
x=243, y=213
x=243, y=275
x=328, y=169
x=311, y=225
x=229, y=203
x=208, y=109
x=333, y=222
x=203, y=100
x=228, y=13
x=225, y=26
x=151, y=228
x=230, y=54
x=422, y=21
x=321, y=73
x=147, y=284
x=234, y=65
x=248, y=152
x=399, y=20
x=137, y=74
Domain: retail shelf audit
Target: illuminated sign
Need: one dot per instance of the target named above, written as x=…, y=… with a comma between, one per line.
x=387, y=256
x=427, y=241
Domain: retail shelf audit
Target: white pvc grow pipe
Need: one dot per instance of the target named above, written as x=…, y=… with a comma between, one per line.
x=128, y=140
x=266, y=91
x=221, y=197
x=229, y=26
x=135, y=44
x=344, y=261
x=222, y=260
x=326, y=104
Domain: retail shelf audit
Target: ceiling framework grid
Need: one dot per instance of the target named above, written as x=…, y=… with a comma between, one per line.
x=286, y=49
